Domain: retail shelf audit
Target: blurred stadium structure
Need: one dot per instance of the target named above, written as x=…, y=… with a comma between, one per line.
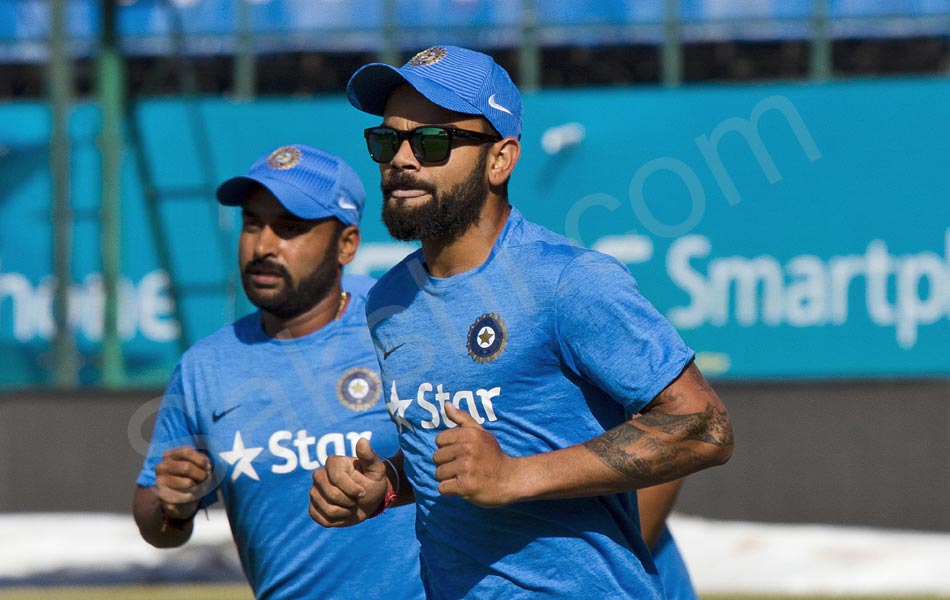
x=801, y=243
x=305, y=46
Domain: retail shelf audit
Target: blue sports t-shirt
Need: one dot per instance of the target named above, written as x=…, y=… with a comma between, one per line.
x=669, y=562
x=546, y=345
x=269, y=412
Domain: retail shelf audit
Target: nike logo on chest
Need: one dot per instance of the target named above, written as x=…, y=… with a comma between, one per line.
x=386, y=353
x=217, y=416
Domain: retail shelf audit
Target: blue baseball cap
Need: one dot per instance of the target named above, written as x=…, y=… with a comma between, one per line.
x=454, y=78
x=310, y=183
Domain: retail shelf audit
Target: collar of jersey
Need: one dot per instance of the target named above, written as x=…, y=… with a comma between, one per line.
x=441, y=283
x=355, y=313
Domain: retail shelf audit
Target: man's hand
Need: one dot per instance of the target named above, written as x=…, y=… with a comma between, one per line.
x=181, y=480
x=470, y=463
x=347, y=490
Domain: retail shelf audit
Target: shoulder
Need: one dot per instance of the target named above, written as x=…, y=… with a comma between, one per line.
x=357, y=285
x=398, y=284
x=554, y=255
x=595, y=267
x=241, y=332
x=534, y=250
x=593, y=282
x=354, y=318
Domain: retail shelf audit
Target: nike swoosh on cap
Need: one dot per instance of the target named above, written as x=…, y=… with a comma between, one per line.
x=492, y=103
x=346, y=204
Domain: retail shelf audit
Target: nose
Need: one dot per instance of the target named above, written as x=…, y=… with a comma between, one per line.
x=404, y=157
x=266, y=242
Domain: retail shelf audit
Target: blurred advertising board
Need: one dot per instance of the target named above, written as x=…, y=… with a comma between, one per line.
x=788, y=231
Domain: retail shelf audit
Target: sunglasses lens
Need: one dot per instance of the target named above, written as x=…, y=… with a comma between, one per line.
x=431, y=144
x=382, y=144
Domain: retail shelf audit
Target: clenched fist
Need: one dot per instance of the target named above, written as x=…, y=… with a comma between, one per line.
x=470, y=463
x=347, y=490
x=182, y=478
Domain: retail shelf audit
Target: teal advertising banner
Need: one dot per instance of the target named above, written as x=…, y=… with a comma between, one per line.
x=788, y=231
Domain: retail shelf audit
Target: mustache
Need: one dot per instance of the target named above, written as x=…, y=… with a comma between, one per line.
x=263, y=266
x=400, y=180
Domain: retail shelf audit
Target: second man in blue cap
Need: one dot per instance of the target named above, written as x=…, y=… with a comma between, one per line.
x=254, y=408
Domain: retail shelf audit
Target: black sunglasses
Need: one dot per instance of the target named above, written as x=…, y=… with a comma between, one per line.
x=429, y=143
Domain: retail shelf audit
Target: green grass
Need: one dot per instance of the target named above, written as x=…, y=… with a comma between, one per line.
x=242, y=592
x=157, y=592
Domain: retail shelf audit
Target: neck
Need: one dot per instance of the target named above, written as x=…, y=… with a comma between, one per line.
x=445, y=258
x=329, y=309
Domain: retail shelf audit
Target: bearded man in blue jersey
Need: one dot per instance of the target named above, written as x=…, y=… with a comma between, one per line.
x=533, y=388
x=255, y=407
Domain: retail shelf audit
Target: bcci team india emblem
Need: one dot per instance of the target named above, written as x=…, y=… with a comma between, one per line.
x=487, y=338
x=284, y=158
x=358, y=389
x=429, y=56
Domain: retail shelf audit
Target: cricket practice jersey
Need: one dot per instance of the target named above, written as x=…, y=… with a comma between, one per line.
x=269, y=412
x=546, y=345
x=669, y=562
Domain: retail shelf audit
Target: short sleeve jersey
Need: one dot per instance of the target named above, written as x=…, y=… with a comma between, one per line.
x=546, y=345
x=669, y=562
x=269, y=412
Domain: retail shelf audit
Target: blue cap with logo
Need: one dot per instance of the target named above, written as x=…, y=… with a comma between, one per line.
x=310, y=183
x=454, y=78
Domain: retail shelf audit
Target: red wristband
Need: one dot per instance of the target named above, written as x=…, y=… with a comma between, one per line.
x=391, y=493
x=388, y=499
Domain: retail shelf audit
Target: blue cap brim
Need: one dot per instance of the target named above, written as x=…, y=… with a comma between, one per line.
x=234, y=192
x=369, y=89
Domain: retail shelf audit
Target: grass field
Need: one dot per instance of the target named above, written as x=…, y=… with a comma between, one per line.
x=158, y=592
x=232, y=592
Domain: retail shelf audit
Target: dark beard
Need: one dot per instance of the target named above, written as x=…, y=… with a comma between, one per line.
x=291, y=300
x=445, y=216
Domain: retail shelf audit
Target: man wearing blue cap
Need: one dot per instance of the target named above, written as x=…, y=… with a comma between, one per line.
x=254, y=408
x=533, y=388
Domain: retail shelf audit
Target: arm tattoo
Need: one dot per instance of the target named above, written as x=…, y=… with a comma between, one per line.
x=660, y=446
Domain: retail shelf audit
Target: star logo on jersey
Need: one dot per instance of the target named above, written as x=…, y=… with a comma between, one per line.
x=397, y=410
x=487, y=338
x=241, y=458
x=358, y=389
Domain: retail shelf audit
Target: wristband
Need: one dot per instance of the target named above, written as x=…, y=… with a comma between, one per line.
x=391, y=494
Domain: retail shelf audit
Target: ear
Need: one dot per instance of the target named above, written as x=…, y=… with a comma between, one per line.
x=348, y=244
x=504, y=157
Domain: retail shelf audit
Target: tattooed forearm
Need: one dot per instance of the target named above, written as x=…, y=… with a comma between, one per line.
x=641, y=454
x=611, y=447
x=661, y=445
